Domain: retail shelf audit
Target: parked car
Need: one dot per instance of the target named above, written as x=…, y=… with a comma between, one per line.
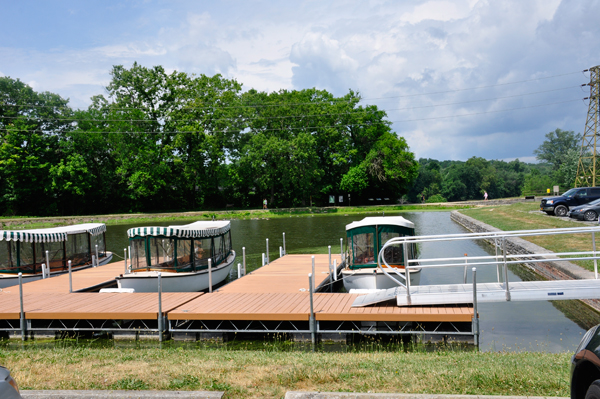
x=8, y=385
x=587, y=212
x=560, y=205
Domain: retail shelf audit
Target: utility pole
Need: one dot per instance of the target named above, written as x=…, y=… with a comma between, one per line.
x=587, y=169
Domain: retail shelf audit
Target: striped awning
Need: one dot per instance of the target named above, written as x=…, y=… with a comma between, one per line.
x=193, y=230
x=53, y=234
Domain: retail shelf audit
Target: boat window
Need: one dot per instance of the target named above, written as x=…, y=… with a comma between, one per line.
x=218, y=249
x=184, y=254
x=55, y=254
x=227, y=242
x=201, y=251
x=8, y=256
x=363, y=248
x=138, y=253
x=161, y=252
x=392, y=254
x=98, y=240
x=78, y=249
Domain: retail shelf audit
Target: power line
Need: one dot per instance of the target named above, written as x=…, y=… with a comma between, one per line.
x=364, y=112
x=340, y=125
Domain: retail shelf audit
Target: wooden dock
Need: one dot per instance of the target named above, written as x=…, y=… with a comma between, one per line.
x=274, y=298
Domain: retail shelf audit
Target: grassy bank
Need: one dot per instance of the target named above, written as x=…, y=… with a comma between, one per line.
x=188, y=217
x=270, y=373
x=526, y=216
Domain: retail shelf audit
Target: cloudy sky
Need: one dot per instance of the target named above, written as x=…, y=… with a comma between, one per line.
x=457, y=78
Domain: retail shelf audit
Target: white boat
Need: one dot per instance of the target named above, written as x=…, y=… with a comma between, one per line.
x=181, y=255
x=30, y=251
x=365, y=238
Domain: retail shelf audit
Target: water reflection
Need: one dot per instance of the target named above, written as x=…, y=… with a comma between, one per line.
x=513, y=326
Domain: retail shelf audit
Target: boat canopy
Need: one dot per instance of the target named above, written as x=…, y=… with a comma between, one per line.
x=366, y=238
x=193, y=230
x=53, y=234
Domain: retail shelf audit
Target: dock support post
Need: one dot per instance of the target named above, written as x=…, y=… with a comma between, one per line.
x=160, y=318
x=280, y=252
x=70, y=279
x=43, y=270
x=505, y=269
x=125, y=260
x=284, y=243
x=475, y=315
x=497, y=263
x=312, y=286
x=311, y=320
x=93, y=260
x=97, y=257
x=244, y=259
x=267, y=251
x=239, y=270
x=595, y=260
x=263, y=259
x=48, y=262
x=465, y=273
x=22, y=318
x=341, y=249
x=129, y=252
x=329, y=268
x=209, y=275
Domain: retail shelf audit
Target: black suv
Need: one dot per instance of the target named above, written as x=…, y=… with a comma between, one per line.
x=559, y=206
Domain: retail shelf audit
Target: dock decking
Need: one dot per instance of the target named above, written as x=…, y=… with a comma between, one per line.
x=277, y=292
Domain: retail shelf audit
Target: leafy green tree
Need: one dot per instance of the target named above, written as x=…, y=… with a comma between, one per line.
x=556, y=146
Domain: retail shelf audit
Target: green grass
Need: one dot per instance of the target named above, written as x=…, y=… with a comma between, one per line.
x=270, y=373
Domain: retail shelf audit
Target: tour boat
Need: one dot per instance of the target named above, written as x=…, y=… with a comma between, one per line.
x=30, y=251
x=365, y=238
x=181, y=255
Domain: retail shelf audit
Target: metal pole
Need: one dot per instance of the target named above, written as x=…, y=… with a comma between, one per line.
x=209, y=275
x=475, y=315
x=97, y=258
x=160, y=318
x=280, y=252
x=70, y=279
x=263, y=259
x=341, y=249
x=48, y=262
x=335, y=269
x=43, y=270
x=313, y=273
x=329, y=268
x=505, y=269
x=267, y=251
x=406, y=272
x=497, y=263
x=595, y=260
x=465, y=273
x=239, y=270
x=284, y=244
x=244, y=259
x=311, y=323
x=125, y=259
x=22, y=319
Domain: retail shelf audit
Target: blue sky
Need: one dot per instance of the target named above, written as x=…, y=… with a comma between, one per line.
x=457, y=78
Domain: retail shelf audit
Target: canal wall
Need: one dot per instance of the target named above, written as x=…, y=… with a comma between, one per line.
x=562, y=270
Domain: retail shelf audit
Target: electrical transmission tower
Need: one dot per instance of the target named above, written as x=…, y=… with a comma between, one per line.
x=588, y=170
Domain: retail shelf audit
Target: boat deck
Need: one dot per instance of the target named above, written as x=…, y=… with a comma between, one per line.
x=278, y=292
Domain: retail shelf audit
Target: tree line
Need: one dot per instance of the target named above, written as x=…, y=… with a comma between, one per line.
x=161, y=141
x=158, y=141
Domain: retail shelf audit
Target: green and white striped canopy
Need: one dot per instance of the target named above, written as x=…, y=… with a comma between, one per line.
x=53, y=234
x=192, y=230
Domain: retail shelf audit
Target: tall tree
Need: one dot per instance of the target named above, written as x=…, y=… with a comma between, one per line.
x=556, y=146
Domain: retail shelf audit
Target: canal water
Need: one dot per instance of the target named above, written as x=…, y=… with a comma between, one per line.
x=508, y=326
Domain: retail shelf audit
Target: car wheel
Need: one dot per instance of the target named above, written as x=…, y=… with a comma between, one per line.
x=561, y=210
x=590, y=216
x=593, y=391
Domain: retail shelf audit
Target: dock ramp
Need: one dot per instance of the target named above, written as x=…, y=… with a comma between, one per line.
x=498, y=291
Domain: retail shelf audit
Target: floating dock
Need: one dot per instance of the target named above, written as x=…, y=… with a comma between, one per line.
x=274, y=299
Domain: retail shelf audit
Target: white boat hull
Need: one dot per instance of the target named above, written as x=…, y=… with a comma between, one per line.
x=8, y=280
x=374, y=279
x=176, y=282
